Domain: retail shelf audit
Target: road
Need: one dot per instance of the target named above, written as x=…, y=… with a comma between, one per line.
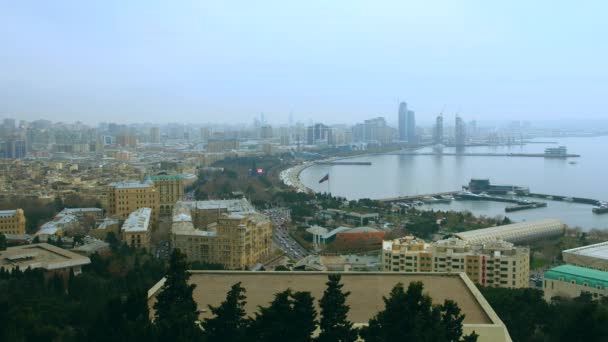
x=280, y=236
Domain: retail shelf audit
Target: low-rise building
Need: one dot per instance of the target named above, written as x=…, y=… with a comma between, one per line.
x=365, y=300
x=136, y=228
x=360, y=238
x=227, y=232
x=521, y=232
x=571, y=281
x=494, y=263
x=339, y=263
x=123, y=198
x=12, y=221
x=170, y=189
x=593, y=256
x=42, y=255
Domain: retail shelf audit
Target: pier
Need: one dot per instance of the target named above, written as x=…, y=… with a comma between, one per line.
x=418, y=197
x=466, y=154
x=342, y=163
x=566, y=198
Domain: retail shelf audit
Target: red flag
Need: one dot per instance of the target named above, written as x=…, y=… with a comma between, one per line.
x=325, y=178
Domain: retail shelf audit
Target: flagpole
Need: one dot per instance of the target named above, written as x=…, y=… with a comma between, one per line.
x=329, y=185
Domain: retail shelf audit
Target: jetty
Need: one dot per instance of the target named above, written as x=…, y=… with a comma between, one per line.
x=467, y=154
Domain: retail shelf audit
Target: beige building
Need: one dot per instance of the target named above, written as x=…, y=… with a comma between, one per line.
x=571, y=281
x=521, y=232
x=365, y=301
x=170, y=189
x=222, y=145
x=123, y=198
x=42, y=255
x=136, y=228
x=592, y=256
x=12, y=221
x=227, y=232
x=494, y=263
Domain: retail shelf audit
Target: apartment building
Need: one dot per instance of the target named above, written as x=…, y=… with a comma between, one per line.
x=123, y=198
x=227, y=232
x=12, y=221
x=135, y=230
x=494, y=263
x=170, y=190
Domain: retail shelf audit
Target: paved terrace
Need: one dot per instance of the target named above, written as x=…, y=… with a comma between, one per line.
x=367, y=290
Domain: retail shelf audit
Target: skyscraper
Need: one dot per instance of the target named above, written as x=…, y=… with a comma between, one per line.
x=403, y=121
x=438, y=131
x=460, y=132
x=411, y=127
x=155, y=135
x=407, y=124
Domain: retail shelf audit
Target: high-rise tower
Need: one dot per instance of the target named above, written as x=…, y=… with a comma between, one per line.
x=403, y=121
x=411, y=127
x=460, y=132
x=438, y=131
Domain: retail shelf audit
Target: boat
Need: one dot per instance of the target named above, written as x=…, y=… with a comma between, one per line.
x=600, y=209
x=572, y=162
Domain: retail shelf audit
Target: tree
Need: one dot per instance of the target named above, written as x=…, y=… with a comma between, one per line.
x=290, y=317
x=229, y=323
x=176, y=311
x=411, y=316
x=2, y=242
x=334, y=325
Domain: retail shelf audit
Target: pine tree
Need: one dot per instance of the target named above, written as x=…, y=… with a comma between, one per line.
x=411, y=316
x=303, y=322
x=290, y=317
x=229, y=323
x=334, y=325
x=176, y=312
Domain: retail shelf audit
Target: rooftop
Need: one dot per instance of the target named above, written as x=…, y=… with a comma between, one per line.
x=580, y=275
x=520, y=226
x=8, y=213
x=40, y=255
x=360, y=230
x=367, y=290
x=167, y=177
x=131, y=185
x=598, y=250
x=76, y=211
x=138, y=221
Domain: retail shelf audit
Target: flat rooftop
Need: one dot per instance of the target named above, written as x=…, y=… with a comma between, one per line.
x=138, y=221
x=40, y=255
x=8, y=213
x=367, y=290
x=598, y=250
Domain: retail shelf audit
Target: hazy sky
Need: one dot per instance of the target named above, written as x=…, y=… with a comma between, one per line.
x=326, y=60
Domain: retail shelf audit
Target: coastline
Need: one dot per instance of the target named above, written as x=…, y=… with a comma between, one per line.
x=291, y=176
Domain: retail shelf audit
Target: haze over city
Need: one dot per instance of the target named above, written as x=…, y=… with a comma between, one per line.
x=318, y=171
x=338, y=61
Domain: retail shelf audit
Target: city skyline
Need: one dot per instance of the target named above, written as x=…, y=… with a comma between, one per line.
x=202, y=62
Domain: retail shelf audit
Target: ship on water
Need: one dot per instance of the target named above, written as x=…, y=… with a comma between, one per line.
x=602, y=208
x=478, y=186
x=556, y=152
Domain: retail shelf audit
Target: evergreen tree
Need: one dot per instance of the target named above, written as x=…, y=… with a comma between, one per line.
x=410, y=316
x=229, y=323
x=290, y=317
x=334, y=325
x=2, y=242
x=304, y=320
x=176, y=311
